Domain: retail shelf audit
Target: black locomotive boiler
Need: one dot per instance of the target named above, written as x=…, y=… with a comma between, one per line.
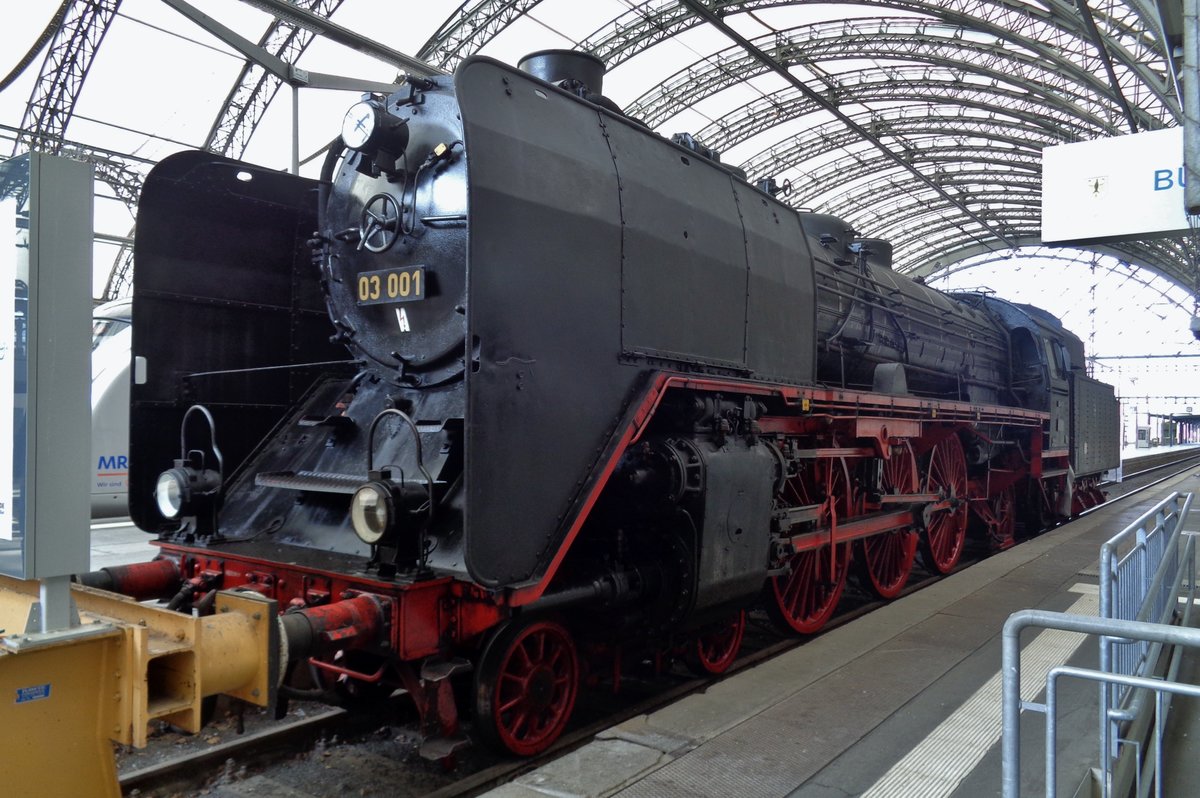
x=543, y=387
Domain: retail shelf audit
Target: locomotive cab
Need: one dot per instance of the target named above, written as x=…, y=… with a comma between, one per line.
x=1043, y=355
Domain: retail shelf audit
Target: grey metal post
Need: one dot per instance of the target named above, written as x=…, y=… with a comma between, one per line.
x=1191, y=104
x=1052, y=734
x=53, y=467
x=295, y=129
x=1010, y=744
x=55, y=610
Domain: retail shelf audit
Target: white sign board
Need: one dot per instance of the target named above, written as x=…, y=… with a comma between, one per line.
x=1113, y=189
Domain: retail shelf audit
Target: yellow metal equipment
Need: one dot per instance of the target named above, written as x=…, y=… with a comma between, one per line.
x=65, y=696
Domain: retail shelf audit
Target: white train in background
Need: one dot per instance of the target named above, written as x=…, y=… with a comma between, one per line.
x=111, y=334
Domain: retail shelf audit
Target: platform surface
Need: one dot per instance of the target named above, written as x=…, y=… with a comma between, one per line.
x=116, y=541
x=1132, y=452
x=903, y=702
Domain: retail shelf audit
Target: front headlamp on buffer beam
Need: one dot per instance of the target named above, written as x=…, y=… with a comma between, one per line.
x=378, y=134
x=190, y=490
x=373, y=511
x=393, y=512
x=389, y=510
x=185, y=486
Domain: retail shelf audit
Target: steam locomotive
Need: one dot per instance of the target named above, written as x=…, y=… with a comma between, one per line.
x=544, y=389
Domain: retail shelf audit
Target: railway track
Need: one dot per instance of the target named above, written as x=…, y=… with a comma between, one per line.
x=321, y=751
x=1188, y=457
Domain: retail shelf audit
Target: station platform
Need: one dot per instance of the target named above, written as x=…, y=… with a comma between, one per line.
x=117, y=541
x=1134, y=452
x=904, y=702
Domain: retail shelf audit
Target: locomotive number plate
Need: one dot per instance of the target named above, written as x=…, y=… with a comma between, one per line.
x=391, y=285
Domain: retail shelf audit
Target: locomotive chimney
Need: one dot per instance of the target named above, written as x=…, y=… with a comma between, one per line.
x=556, y=66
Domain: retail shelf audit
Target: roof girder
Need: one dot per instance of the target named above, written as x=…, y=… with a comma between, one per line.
x=637, y=30
x=895, y=39
x=1137, y=254
x=473, y=24
x=255, y=87
x=816, y=146
x=998, y=102
x=63, y=72
x=936, y=102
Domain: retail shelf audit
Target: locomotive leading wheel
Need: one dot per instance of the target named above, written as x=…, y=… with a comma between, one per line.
x=946, y=528
x=716, y=649
x=887, y=559
x=803, y=600
x=525, y=686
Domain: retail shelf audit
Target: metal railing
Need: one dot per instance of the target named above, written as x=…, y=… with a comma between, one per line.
x=1104, y=627
x=1143, y=571
x=1140, y=579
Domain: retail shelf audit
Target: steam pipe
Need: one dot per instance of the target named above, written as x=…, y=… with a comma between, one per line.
x=617, y=586
x=336, y=148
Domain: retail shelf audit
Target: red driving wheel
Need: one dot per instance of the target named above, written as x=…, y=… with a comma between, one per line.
x=887, y=559
x=804, y=599
x=946, y=526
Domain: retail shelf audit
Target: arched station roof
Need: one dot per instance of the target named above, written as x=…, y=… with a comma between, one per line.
x=918, y=121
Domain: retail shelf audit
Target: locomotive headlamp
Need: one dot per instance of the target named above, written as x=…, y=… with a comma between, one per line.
x=359, y=123
x=190, y=491
x=183, y=488
x=168, y=492
x=369, y=127
x=372, y=512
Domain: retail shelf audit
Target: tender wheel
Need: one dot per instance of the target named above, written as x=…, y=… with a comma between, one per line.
x=946, y=527
x=887, y=559
x=716, y=649
x=1087, y=495
x=1034, y=511
x=525, y=686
